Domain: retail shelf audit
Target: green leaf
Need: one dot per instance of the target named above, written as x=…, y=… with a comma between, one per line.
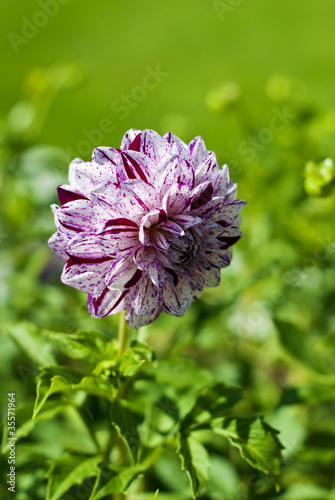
x=126, y=421
x=155, y=497
x=24, y=421
x=195, y=461
x=119, y=482
x=80, y=345
x=213, y=401
x=257, y=441
x=295, y=342
x=97, y=386
x=68, y=471
x=33, y=343
x=51, y=381
x=134, y=358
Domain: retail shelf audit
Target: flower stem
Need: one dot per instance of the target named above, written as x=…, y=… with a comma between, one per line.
x=123, y=335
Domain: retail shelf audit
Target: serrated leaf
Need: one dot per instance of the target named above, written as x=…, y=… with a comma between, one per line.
x=213, y=401
x=51, y=381
x=33, y=343
x=257, y=441
x=68, y=471
x=195, y=461
x=119, y=482
x=126, y=422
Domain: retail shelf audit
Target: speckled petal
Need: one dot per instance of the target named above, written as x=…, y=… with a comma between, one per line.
x=135, y=321
x=177, y=299
x=85, y=275
x=197, y=150
x=84, y=245
x=109, y=302
x=123, y=275
x=129, y=137
x=145, y=297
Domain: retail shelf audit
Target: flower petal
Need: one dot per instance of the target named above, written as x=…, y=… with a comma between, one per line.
x=186, y=221
x=136, y=165
x=218, y=259
x=135, y=321
x=129, y=137
x=86, y=176
x=145, y=297
x=58, y=243
x=67, y=194
x=229, y=212
x=158, y=275
x=124, y=274
x=109, y=302
x=222, y=182
x=197, y=150
x=207, y=170
x=176, y=199
x=86, y=275
x=154, y=146
x=131, y=200
x=172, y=227
x=84, y=245
x=175, y=171
x=201, y=195
x=118, y=243
x=145, y=257
x=75, y=215
x=177, y=299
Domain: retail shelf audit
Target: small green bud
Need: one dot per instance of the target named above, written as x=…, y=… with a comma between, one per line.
x=319, y=178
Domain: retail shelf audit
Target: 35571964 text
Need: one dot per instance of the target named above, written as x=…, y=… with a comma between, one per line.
x=11, y=443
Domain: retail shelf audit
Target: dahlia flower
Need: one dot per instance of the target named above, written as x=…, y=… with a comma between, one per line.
x=146, y=227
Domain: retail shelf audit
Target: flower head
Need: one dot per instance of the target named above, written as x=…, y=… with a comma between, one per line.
x=146, y=227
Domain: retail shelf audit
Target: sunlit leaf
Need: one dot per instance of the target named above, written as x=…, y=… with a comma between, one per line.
x=195, y=461
x=69, y=471
x=51, y=381
x=119, y=482
x=257, y=441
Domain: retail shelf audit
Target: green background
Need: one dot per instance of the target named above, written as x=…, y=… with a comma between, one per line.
x=269, y=327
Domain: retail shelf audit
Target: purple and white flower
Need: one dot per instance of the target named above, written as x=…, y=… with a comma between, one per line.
x=146, y=227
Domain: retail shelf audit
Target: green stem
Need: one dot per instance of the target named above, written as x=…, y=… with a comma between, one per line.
x=123, y=344
x=157, y=452
x=123, y=336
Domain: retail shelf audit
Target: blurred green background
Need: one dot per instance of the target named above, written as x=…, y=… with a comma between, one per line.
x=256, y=80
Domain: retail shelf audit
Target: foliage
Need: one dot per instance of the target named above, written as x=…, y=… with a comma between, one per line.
x=237, y=396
